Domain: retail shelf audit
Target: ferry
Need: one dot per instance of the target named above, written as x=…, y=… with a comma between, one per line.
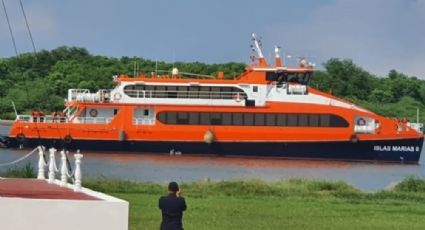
x=267, y=111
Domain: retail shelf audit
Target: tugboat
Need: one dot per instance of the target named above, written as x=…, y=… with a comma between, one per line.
x=267, y=111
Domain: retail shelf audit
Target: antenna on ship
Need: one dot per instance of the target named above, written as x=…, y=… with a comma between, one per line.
x=257, y=48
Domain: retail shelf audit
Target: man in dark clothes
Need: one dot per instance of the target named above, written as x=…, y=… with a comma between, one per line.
x=172, y=207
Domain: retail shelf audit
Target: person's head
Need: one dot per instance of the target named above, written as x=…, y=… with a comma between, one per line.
x=173, y=187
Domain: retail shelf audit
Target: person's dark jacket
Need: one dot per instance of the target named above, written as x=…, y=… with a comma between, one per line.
x=172, y=208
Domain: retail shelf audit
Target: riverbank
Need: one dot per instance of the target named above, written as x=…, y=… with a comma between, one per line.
x=289, y=204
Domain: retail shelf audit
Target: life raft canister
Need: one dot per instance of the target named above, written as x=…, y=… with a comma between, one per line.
x=93, y=112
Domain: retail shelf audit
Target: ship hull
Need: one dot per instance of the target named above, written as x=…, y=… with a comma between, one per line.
x=396, y=150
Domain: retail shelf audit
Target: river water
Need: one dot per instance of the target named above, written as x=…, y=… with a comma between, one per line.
x=163, y=168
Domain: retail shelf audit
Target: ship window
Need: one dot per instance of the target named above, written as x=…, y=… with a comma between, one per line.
x=226, y=118
x=215, y=93
x=172, y=91
x=215, y=118
x=145, y=112
x=314, y=120
x=182, y=92
x=182, y=118
x=324, y=120
x=270, y=119
x=259, y=119
x=255, y=89
x=171, y=118
x=162, y=117
x=271, y=76
x=337, y=121
x=303, y=120
x=248, y=119
x=115, y=111
x=205, y=118
x=292, y=119
x=237, y=118
x=281, y=120
x=193, y=118
x=194, y=91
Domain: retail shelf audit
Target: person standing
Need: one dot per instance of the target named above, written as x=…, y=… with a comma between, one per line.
x=172, y=207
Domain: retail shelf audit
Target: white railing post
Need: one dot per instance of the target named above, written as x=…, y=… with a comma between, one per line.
x=52, y=165
x=78, y=156
x=64, y=169
x=41, y=163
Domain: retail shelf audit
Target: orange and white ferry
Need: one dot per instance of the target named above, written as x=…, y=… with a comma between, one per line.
x=266, y=111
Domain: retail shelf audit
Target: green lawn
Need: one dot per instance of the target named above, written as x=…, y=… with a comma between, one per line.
x=293, y=204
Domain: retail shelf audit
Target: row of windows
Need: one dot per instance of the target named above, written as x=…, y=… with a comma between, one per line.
x=163, y=91
x=252, y=119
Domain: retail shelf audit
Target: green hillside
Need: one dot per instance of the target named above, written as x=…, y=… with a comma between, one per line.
x=42, y=80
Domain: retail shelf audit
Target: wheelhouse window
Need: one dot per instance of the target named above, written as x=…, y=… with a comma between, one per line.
x=283, y=77
x=252, y=119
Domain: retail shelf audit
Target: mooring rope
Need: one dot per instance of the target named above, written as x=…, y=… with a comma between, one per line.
x=20, y=159
x=69, y=168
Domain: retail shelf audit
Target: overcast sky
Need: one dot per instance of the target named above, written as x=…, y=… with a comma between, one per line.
x=378, y=35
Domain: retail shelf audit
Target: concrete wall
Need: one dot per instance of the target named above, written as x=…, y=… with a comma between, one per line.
x=44, y=214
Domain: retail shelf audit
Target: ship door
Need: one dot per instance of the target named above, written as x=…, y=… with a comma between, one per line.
x=144, y=116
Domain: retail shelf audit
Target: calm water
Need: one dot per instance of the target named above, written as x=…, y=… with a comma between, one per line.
x=163, y=168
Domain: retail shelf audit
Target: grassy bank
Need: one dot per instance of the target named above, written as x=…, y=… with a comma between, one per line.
x=291, y=204
x=255, y=204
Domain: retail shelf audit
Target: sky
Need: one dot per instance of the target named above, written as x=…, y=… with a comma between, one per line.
x=378, y=35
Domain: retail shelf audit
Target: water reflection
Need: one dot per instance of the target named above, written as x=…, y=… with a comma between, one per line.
x=163, y=168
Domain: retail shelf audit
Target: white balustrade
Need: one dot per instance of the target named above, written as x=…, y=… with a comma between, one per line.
x=52, y=165
x=41, y=164
x=64, y=169
x=77, y=185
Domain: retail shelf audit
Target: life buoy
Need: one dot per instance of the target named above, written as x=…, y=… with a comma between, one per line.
x=93, y=112
x=361, y=122
x=20, y=137
x=117, y=96
x=67, y=139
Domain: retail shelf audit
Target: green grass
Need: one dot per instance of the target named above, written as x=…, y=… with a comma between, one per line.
x=16, y=172
x=291, y=204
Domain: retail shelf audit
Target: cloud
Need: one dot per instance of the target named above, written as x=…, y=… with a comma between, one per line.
x=378, y=35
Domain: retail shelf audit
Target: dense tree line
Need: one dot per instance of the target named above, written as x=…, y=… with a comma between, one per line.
x=395, y=95
x=42, y=80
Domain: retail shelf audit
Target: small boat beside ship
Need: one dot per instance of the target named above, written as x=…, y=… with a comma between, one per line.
x=267, y=111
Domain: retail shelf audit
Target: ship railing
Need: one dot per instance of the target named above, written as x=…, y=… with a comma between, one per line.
x=94, y=120
x=41, y=119
x=84, y=95
x=186, y=94
x=419, y=127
